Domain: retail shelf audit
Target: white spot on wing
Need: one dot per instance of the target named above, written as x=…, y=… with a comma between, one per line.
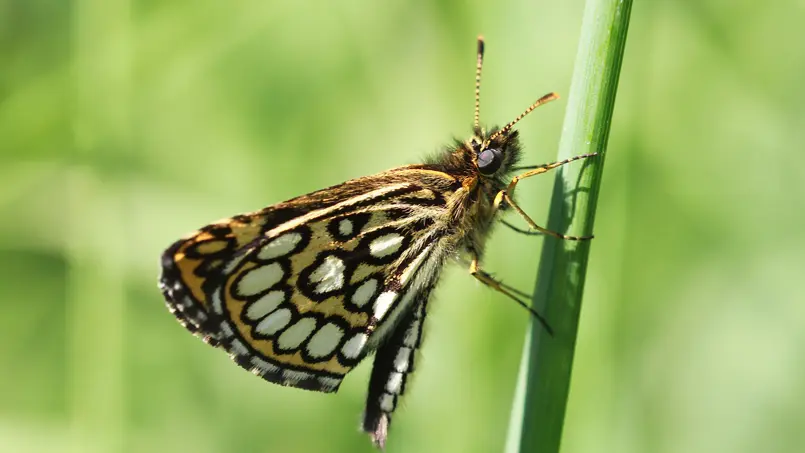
x=260, y=279
x=402, y=359
x=345, y=227
x=297, y=333
x=226, y=329
x=325, y=340
x=412, y=335
x=280, y=246
x=274, y=322
x=263, y=365
x=328, y=383
x=329, y=275
x=354, y=346
x=385, y=245
x=234, y=263
x=364, y=292
x=217, y=305
x=412, y=268
x=387, y=402
x=383, y=303
x=394, y=384
x=238, y=347
x=292, y=377
x=265, y=305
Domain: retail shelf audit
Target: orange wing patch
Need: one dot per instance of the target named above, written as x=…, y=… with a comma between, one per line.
x=189, y=265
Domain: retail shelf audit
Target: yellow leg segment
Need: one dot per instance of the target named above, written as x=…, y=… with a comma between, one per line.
x=486, y=279
x=505, y=195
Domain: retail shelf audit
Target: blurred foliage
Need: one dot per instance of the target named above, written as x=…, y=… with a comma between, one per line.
x=124, y=124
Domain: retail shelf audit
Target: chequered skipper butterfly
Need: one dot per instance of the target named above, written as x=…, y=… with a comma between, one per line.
x=301, y=291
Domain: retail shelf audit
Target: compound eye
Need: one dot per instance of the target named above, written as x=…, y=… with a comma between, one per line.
x=489, y=161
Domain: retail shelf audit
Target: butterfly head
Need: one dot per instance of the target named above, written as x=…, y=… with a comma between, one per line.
x=494, y=153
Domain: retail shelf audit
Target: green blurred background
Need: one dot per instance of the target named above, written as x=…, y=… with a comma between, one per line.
x=125, y=124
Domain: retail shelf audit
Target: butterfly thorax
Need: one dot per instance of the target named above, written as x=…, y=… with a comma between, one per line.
x=483, y=167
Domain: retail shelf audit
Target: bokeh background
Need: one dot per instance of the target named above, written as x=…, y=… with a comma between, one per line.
x=126, y=123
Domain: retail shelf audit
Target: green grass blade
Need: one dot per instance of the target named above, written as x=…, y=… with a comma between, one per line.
x=539, y=407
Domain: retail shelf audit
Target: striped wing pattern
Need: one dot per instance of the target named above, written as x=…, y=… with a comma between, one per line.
x=302, y=291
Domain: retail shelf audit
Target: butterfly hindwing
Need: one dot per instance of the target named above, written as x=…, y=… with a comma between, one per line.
x=300, y=292
x=304, y=305
x=190, y=265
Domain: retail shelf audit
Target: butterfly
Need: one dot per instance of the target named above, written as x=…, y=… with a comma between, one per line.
x=301, y=291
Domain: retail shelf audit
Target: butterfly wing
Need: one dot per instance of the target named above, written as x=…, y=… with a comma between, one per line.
x=191, y=264
x=393, y=364
x=300, y=292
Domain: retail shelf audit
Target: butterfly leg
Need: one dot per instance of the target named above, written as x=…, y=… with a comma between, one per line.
x=505, y=196
x=488, y=280
x=520, y=230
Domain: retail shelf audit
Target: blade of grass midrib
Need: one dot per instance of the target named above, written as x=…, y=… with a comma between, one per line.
x=539, y=407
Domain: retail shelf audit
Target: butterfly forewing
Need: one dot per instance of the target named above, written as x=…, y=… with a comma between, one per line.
x=302, y=300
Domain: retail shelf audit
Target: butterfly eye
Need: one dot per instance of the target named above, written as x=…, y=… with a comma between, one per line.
x=489, y=161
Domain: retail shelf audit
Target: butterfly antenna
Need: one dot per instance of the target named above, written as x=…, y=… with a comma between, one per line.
x=543, y=100
x=478, y=66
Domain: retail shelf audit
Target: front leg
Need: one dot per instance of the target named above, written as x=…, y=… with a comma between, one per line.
x=505, y=196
